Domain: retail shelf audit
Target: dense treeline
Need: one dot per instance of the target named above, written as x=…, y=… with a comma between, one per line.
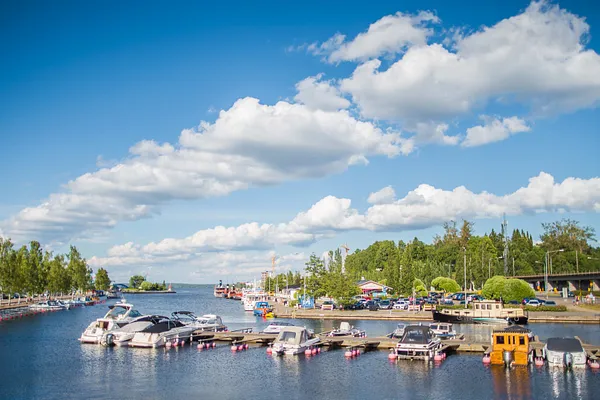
x=399, y=264
x=33, y=271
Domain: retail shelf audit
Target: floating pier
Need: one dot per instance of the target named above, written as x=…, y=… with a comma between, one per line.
x=465, y=345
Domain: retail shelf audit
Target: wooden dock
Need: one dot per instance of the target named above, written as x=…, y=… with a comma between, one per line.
x=464, y=345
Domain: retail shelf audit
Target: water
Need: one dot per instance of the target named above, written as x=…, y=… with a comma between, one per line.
x=40, y=358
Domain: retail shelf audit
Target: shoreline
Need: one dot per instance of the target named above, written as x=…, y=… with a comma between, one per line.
x=563, y=317
x=149, y=292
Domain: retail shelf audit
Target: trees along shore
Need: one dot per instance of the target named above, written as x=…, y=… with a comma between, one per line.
x=441, y=264
x=31, y=270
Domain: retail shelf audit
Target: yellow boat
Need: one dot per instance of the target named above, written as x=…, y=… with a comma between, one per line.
x=510, y=346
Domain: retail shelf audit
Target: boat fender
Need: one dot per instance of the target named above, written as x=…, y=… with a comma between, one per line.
x=348, y=354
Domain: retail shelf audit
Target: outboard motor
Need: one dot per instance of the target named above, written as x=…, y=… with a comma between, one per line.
x=507, y=356
x=107, y=340
x=568, y=360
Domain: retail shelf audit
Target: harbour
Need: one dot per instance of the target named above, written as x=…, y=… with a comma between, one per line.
x=148, y=373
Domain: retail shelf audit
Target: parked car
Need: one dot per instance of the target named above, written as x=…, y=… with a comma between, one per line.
x=372, y=305
x=447, y=302
x=534, y=303
x=550, y=303
x=359, y=305
x=513, y=302
x=401, y=305
x=385, y=305
x=327, y=305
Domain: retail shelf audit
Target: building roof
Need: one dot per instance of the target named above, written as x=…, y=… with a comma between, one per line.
x=368, y=284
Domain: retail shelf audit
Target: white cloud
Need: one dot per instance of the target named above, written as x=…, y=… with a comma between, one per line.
x=537, y=58
x=389, y=35
x=423, y=207
x=383, y=196
x=250, y=144
x=494, y=130
x=320, y=95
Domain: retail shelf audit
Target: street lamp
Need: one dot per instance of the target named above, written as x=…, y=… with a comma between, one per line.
x=549, y=261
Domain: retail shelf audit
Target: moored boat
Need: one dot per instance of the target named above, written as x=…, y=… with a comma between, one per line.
x=482, y=312
x=207, y=322
x=418, y=343
x=122, y=336
x=443, y=330
x=118, y=315
x=510, y=346
x=49, y=305
x=565, y=352
x=293, y=340
x=158, y=335
x=262, y=308
x=347, y=330
x=398, y=332
x=276, y=327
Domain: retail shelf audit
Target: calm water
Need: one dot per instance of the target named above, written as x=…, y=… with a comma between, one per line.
x=40, y=358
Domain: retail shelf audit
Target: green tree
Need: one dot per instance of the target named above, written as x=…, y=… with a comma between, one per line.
x=516, y=289
x=445, y=284
x=81, y=274
x=136, y=281
x=102, y=280
x=59, y=280
x=419, y=287
x=494, y=287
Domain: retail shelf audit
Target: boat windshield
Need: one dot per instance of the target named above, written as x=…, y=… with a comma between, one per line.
x=207, y=321
x=288, y=337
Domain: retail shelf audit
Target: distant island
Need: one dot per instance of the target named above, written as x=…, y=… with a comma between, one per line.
x=139, y=285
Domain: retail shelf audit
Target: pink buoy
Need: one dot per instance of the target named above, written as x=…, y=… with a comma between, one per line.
x=539, y=361
x=269, y=350
x=594, y=365
x=214, y=345
x=354, y=353
x=314, y=352
x=234, y=348
x=168, y=345
x=246, y=346
x=357, y=352
x=176, y=343
x=307, y=352
x=240, y=347
x=318, y=350
x=487, y=360
x=437, y=357
x=392, y=356
x=200, y=346
x=348, y=354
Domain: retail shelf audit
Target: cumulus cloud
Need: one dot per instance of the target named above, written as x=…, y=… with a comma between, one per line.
x=389, y=35
x=384, y=196
x=250, y=144
x=537, y=58
x=320, y=95
x=423, y=207
x=494, y=130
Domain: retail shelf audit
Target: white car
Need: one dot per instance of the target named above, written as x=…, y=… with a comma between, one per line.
x=534, y=303
x=401, y=305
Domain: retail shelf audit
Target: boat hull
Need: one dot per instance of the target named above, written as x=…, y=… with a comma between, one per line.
x=461, y=319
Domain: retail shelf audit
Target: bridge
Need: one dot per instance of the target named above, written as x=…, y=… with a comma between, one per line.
x=570, y=280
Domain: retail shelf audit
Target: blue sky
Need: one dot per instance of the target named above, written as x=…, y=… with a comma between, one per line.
x=485, y=96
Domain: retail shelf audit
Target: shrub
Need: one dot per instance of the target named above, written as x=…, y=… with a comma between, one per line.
x=419, y=287
x=498, y=287
x=546, y=308
x=445, y=284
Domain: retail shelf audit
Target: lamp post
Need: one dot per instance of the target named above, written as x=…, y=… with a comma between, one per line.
x=549, y=261
x=465, y=277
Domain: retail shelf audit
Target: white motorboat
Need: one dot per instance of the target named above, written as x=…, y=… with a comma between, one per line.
x=122, y=336
x=207, y=322
x=74, y=303
x=49, y=305
x=347, y=330
x=293, y=340
x=398, y=332
x=443, y=330
x=565, y=352
x=118, y=315
x=419, y=343
x=157, y=335
x=276, y=327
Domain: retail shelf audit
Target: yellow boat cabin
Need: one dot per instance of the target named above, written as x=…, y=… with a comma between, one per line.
x=510, y=346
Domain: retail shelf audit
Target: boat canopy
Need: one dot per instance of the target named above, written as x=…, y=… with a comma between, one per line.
x=163, y=326
x=416, y=335
x=292, y=335
x=567, y=345
x=345, y=326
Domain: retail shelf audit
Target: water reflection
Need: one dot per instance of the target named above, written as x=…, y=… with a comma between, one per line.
x=511, y=383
